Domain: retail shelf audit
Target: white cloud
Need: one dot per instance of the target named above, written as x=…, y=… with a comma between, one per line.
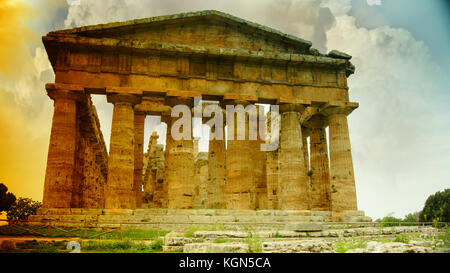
x=373, y=2
x=399, y=145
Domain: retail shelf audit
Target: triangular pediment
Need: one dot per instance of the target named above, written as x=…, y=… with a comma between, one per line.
x=205, y=28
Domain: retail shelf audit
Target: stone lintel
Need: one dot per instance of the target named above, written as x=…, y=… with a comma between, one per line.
x=64, y=86
x=293, y=101
x=239, y=97
x=152, y=108
x=123, y=90
x=183, y=93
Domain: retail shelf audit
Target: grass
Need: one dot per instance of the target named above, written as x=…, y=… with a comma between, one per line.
x=122, y=246
x=445, y=238
x=135, y=234
x=221, y=240
x=402, y=238
x=97, y=246
x=254, y=243
x=121, y=242
x=277, y=235
x=344, y=246
x=33, y=246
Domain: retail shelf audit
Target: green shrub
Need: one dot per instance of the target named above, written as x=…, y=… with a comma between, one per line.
x=401, y=238
x=437, y=207
x=157, y=245
x=22, y=209
x=389, y=220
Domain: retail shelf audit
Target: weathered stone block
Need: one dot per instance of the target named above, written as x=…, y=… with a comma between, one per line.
x=215, y=248
x=306, y=227
x=221, y=234
x=305, y=246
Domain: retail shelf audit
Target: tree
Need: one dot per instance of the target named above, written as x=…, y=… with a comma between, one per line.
x=437, y=207
x=22, y=208
x=7, y=199
x=412, y=217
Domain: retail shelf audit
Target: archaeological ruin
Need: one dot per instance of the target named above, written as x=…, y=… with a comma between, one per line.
x=146, y=67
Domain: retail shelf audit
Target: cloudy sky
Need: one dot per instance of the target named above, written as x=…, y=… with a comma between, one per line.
x=399, y=134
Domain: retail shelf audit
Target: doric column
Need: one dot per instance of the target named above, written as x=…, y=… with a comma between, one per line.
x=61, y=152
x=259, y=159
x=139, y=122
x=343, y=190
x=150, y=173
x=216, y=168
x=180, y=163
x=272, y=166
x=120, y=189
x=240, y=188
x=294, y=189
x=320, y=177
x=272, y=179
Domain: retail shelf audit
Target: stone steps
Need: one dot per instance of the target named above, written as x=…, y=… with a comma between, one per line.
x=178, y=219
x=172, y=222
x=191, y=212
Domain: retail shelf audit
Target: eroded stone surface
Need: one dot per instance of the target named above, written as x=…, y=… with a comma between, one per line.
x=215, y=248
x=216, y=56
x=309, y=246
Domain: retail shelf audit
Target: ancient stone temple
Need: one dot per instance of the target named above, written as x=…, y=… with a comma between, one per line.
x=148, y=66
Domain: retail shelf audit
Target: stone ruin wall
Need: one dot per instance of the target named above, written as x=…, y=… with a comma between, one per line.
x=142, y=72
x=90, y=163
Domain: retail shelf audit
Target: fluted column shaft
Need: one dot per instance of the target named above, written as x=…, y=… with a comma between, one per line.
x=120, y=189
x=180, y=165
x=259, y=159
x=150, y=174
x=61, y=153
x=272, y=179
x=139, y=122
x=294, y=190
x=320, y=177
x=216, y=172
x=240, y=192
x=343, y=191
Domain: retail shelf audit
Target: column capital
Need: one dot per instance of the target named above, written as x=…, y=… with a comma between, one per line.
x=132, y=99
x=67, y=92
x=234, y=102
x=291, y=107
x=338, y=108
x=316, y=122
x=152, y=106
x=177, y=100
